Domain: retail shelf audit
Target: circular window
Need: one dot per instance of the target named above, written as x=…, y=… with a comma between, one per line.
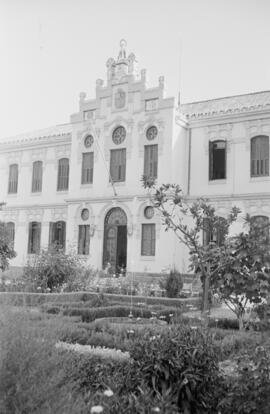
x=151, y=133
x=85, y=214
x=88, y=141
x=119, y=135
x=148, y=212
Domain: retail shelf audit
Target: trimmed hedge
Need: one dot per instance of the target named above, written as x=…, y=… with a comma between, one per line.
x=37, y=299
x=89, y=315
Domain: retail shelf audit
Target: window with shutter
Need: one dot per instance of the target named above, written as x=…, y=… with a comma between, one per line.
x=34, y=237
x=84, y=239
x=37, y=177
x=11, y=231
x=217, y=160
x=63, y=174
x=57, y=235
x=118, y=165
x=214, y=233
x=13, y=179
x=151, y=161
x=259, y=156
x=148, y=240
x=87, y=167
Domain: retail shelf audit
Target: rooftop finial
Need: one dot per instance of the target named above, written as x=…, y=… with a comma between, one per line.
x=122, y=53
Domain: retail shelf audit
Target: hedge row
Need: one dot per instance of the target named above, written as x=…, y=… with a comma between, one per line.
x=89, y=315
x=37, y=299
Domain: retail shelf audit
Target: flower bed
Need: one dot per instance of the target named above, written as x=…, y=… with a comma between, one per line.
x=97, y=351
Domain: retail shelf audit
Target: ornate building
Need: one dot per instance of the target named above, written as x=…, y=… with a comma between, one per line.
x=79, y=184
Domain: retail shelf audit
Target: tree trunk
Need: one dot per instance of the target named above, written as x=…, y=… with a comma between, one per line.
x=241, y=322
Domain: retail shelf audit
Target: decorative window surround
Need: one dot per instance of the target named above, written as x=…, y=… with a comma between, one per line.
x=109, y=127
x=79, y=221
x=88, y=129
x=256, y=127
x=58, y=214
x=141, y=219
x=102, y=214
x=159, y=139
x=221, y=132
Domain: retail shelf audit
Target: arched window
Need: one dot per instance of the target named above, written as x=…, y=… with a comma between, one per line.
x=217, y=160
x=214, y=233
x=259, y=225
x=37, y=177
x=57, y=236
x=259, y=156
x=13, y=179
x=34, y=237
x=63, y=174
x=11, y=231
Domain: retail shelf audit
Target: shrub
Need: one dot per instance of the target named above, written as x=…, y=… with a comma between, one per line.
x=249, y=390
x=50, y=270
x=172, y=284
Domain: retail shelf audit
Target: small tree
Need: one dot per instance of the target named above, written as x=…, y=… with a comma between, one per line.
x=238, y=270
x=6, y=247
x=50, y=270
x=188, y=221
x=242, y=270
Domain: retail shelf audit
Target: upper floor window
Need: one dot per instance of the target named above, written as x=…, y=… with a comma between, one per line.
x=91, y=114
x=87, y=167
x=84, y=239
x=57, y=234
x=118, y=165
x=217, y=160
x=13, y=179
x=260, y=226
x=214, y=233
x=259, y=156
x=37, y=177
x=63, y=174
x=148, y=245
x=151, y=161
x=10, y=226
x=34, y=237
x=151, y=104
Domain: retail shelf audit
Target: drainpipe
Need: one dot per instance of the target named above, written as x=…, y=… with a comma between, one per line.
x=189, y=159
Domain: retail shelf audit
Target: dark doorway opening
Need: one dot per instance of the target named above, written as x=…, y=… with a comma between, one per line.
x=115, y=241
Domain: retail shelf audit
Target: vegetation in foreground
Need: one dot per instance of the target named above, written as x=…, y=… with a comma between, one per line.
x=173, y=368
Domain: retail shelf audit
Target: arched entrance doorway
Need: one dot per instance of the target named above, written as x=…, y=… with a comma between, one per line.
x=115, y=240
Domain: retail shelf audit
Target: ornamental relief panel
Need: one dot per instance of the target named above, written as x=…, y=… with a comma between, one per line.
x=59, y=214
x=218, y=132
x=34, y=214
x=10, y=215
x=257, y=207
x=156, y=136
x=256, y=127
x=122, y=140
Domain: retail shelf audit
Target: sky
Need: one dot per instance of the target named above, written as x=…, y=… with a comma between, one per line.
x=51, y=50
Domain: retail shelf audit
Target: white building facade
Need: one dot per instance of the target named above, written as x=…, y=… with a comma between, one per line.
x=79, y=184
